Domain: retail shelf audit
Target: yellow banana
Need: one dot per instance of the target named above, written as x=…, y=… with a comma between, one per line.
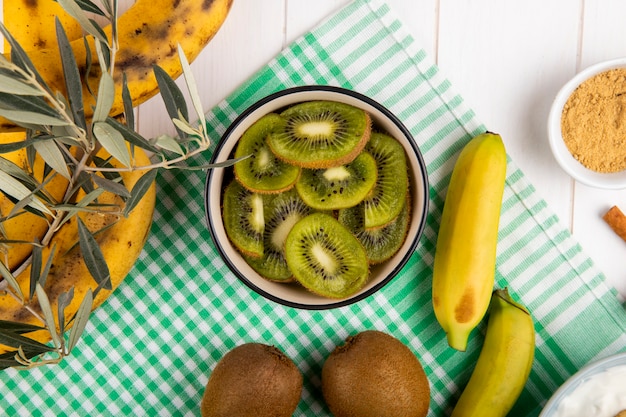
x=465, y=257
x=148, y=34
x=26, y=226
x=121, y=243
x=504, y=362
x=32, y=23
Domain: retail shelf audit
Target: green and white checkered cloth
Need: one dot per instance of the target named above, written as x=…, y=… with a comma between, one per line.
x=149, y=349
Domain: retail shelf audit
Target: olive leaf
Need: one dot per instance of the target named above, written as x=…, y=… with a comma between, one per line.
x=105, y=99
x=113, y=141
x=173, y=98
x=192, y=87
x=111, y=186
x=53, y=156
x=10, y=279
x=12, y=187
x=74, y=10
x=14, y=170
x=127, y=100
x=37, y=274
x=32, y=104
x=65, y=299
x=73, y=83
x=139, y=190
x=169, y=143
x=89, y=7
x=48, y=315
x=15, y=340
x=20, y=58
x=12, y=85
x=131, y=136
x=80, y=320
x=94, y=260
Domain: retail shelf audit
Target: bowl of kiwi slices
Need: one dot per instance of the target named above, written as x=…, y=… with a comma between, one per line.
x=327, y=200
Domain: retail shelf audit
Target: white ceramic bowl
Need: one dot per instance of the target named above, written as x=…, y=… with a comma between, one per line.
x=578, y=378
x=613, y=180
x=295, y=295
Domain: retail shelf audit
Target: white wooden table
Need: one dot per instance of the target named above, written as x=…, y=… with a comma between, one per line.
x=507, y=59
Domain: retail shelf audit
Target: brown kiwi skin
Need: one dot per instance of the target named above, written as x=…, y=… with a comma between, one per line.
x=253, y=380
x=375, y=375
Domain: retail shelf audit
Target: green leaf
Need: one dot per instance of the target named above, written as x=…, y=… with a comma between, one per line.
x=20, y=58
x=29, y=104
x=105, y=99
x=113, y=141
x=12, y=85
x=81, y=319
x=131, y=136
x=19, y=191
x=94, y=260
x=172, y=96
x=127, y=99
x=35, y=269
x=32, y=118
x=53, y=156
x=90, y=7
x=191, y=85
x=73, y=82
x=74, y=10
x=17, y=327
x=64, y=300
x=139, y=190
x=48, y=315
x=9, y=167
x=184, y=126
x=111, y=186
x=15, y=340
x=8, y=276
x=170, y=144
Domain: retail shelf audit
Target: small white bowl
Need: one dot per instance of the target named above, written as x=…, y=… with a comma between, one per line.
x=291, y=294
x=578, y=378
x=582, y=174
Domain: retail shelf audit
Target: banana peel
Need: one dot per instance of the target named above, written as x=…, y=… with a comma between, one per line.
x=148, y=33
x=465, y=255
x=121, y=244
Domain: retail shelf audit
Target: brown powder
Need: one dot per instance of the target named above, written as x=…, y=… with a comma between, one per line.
x=593, y=122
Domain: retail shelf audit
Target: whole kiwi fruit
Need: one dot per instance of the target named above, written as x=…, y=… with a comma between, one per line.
x=375, y=374
x=252, y=380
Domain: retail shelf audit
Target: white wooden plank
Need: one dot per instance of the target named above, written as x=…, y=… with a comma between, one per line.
x=602, y=38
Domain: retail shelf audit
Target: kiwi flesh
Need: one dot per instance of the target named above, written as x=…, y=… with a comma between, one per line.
x=375, y=375
x=281, y=213
x=320, y=134
x=325, y=257
x=388, y=196
x=243, y=215
x=262, y=171
x=253, y=380
x=380, y=243
x=338, y=187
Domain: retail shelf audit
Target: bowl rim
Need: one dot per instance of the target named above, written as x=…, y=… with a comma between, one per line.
x=331, y=304
x=571, y=383
x=576, y=170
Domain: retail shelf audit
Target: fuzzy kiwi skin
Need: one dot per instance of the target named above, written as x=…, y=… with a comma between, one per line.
x=253, y=380
x=375, y=375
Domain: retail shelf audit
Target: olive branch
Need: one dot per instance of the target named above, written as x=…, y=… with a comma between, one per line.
x=58, y=131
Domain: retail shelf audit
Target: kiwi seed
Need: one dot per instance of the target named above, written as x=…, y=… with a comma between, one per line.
x=321, y=134
x=253, y=380
x=325, y=257
x=375, y=375
x=244, y=223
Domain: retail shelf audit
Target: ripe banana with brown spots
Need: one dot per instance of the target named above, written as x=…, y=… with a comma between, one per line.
x=148, y=33
x=31, y=22
x=121, y=243
x=465, y=255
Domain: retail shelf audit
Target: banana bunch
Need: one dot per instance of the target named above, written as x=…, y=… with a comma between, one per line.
x=465, y=256
x=121, y=240
x=148, y=34
x=504, y=363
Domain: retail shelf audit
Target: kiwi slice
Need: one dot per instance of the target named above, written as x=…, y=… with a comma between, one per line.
x=380, y=243
x=325, y=257
x=262, y=171
x=242, y=212
x=321, y=134
x=281, y=213
x=385, y=201
x=338, y=187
